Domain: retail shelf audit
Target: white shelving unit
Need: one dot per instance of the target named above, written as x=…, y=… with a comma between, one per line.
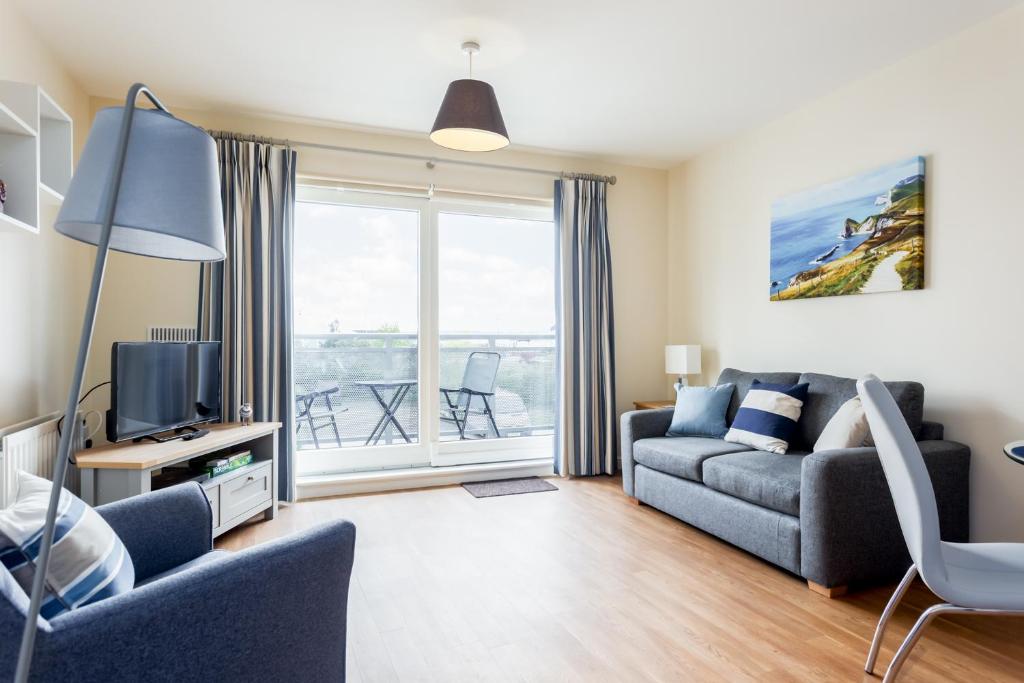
x=35, y=154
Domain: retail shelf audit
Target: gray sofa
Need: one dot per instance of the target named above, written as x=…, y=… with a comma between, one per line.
x=827, y=516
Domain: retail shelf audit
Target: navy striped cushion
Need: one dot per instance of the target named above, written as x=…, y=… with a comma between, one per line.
x=768, y=416
x=88, y=561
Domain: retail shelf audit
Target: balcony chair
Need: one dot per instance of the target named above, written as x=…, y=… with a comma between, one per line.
x=307, y=412
x=273, y=612
x=972, y=578
x=476, y=394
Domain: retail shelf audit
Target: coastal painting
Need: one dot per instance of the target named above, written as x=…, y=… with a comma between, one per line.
x=855, y=236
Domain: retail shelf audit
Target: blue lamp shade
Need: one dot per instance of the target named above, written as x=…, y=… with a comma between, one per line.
x=169, y=203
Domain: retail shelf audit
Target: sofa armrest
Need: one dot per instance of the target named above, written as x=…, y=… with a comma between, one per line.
x=636, y=425
x=931, y=431
x=272, y=612
x=163, y=529
x=848, y=525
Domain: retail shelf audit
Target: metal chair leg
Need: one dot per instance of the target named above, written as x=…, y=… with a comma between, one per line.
x=900, y=658
x=337, y=434
x=460, y=424
x=312, y=429
x=490, y=416
x=910, y=641
x=894, y=601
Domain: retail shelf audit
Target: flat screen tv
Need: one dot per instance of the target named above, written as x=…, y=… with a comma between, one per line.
x=159, y=386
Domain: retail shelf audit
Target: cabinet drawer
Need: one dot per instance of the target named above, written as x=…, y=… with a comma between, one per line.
x=213, y=494
x=245, y=492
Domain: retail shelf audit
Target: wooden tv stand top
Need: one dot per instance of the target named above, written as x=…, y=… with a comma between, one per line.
x=147, y=455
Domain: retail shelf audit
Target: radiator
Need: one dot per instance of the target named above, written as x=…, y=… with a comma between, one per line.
x=31, y=446
x=171, y=334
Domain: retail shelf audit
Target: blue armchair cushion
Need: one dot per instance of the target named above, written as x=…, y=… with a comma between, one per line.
x=700, y=411
x=162, y=529
x=88, y=562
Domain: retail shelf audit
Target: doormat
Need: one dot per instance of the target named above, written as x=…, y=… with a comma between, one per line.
x=508, y=487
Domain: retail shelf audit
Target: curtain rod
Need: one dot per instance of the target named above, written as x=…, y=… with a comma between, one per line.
x=428, y=190
x=431, y=162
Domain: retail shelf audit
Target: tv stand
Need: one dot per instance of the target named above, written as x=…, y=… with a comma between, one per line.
x=187, y=433
x=120, y=470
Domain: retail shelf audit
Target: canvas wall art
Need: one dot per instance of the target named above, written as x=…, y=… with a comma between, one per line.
x=855, y=236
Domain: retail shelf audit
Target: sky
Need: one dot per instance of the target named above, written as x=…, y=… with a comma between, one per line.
x=358, y=265
x=877, y=182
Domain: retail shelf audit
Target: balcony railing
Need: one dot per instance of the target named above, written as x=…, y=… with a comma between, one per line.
x=524, y=394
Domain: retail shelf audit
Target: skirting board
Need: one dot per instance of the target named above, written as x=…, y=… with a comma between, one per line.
x=325, y=486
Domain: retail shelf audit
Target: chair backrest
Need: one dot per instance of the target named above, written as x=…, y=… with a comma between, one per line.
x=481, y=371
x=909, y=483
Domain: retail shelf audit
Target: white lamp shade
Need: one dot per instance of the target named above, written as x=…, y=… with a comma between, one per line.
x=683, y=359
x=169, y=203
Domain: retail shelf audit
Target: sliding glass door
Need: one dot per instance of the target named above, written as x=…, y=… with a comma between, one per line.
x=496, y=332
x=357, y=351
x=424, y=332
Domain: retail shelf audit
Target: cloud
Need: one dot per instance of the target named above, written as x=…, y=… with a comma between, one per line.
x=359, y=265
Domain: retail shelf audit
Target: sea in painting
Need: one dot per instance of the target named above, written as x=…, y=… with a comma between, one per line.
x=855, y=236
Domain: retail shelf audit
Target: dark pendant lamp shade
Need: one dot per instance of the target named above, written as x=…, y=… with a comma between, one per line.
x=469, y=119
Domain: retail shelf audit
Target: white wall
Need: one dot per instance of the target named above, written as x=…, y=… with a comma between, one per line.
x=141, y=292
x=961, y=104
x=42, y=277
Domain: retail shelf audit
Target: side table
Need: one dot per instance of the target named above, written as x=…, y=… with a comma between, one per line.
x=653, y=405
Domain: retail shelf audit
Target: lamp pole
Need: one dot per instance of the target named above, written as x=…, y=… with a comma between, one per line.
x=64, y=454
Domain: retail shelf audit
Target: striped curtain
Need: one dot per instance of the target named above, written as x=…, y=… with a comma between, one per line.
x=245, y=301
x=585, y=432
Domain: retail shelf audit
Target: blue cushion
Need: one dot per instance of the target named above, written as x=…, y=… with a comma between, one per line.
x=768, y=416
x=700, y=411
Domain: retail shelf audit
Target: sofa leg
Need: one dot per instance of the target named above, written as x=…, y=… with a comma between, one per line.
x=828, y=592
x=635, y=501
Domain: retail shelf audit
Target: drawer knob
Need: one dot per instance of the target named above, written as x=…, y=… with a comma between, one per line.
x=250, y=478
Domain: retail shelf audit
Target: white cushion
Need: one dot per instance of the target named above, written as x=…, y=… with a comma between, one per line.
x=848, y=428
x=88, y=561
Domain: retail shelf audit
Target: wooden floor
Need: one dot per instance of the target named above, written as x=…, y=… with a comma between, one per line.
x=579, y=585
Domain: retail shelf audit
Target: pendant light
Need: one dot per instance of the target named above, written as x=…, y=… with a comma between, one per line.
x=469, y=119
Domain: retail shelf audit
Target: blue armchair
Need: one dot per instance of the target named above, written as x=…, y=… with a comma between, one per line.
x=272, y=612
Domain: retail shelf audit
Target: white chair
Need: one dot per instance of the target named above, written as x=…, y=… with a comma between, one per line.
x=478, y=382
x=974, y=578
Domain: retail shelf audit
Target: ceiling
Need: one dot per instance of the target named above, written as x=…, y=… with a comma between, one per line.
x=646, y=81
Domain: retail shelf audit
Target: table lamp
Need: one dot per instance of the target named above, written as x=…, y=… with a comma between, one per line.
x=682, y=360
x=147, y=183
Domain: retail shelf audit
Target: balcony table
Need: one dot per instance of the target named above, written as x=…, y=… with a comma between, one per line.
x=400, y=388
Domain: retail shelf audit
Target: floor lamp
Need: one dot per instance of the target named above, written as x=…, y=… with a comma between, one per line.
x=147, y=183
